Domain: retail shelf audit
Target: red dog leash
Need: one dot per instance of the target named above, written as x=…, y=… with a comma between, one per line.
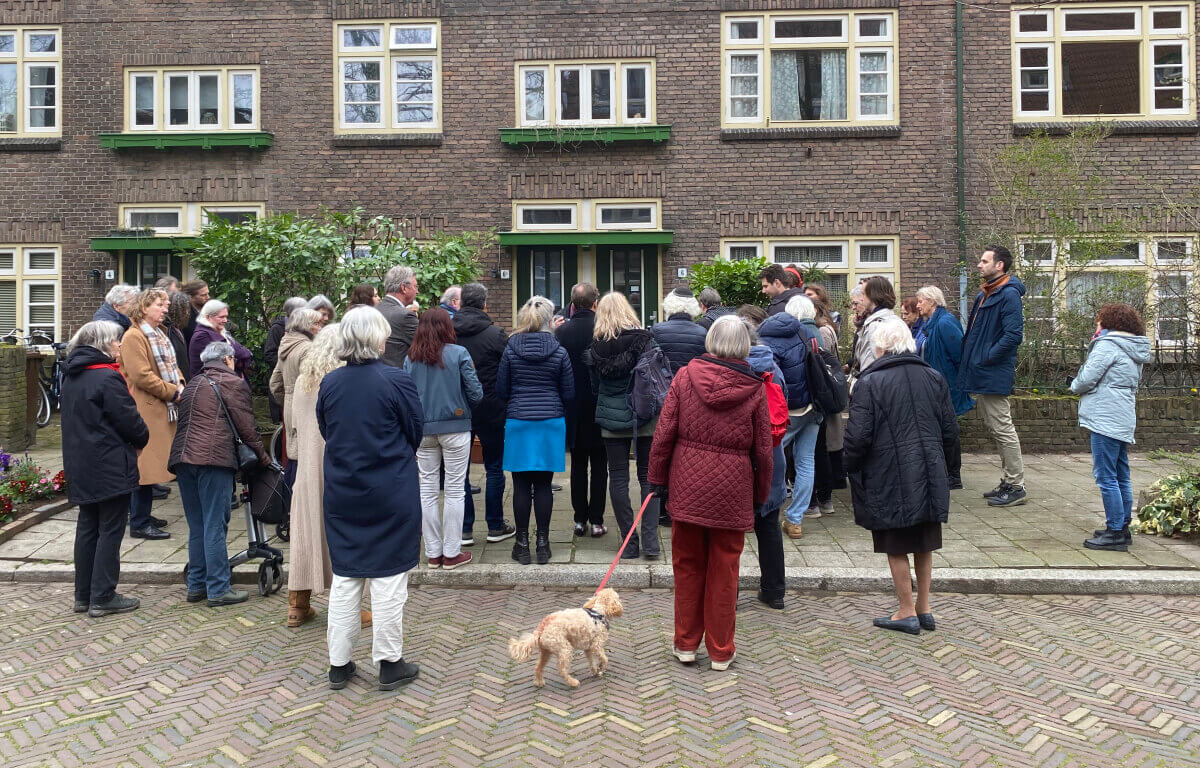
x=625, y=543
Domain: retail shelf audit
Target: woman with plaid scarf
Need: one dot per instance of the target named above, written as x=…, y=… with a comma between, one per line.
x=148, y=362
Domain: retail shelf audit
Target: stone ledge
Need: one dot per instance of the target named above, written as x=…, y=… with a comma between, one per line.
x=815, y=132
x=31, y=144
x=25, y=522
x=1118, y=128
x=351, y=140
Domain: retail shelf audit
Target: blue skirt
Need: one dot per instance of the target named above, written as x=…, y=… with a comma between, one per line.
x=535, y=446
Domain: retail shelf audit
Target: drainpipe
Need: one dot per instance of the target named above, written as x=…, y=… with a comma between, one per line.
x=960, y=158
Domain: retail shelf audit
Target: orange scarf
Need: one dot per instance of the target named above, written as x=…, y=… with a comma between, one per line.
x=992, y=287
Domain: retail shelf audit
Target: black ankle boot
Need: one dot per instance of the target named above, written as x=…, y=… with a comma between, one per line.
x=1113, y=541
x=521, y=548
x=542, y=547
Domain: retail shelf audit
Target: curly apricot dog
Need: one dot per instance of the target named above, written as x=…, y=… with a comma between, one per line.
x=561, y=632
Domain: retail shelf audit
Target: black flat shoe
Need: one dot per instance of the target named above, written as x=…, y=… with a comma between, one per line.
x=926, y=621
x=1124, y=531
x=771, y=601
x=81, y=606
x=196, y=597
x=580, y=529
x=116, y=604
x=158, y=522
x=393, y=674
x=339, y=677
x=149, y=531
x=520, y=551
x=911, y=625
x=1112, y=541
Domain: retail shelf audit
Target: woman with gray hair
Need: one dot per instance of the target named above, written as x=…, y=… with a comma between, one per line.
x=712, y=461
x=370, y=415
x=203, y=455
x=101, y=434
x=322, y=304
x=535, y=378
x=901, y=429
x=943, y=351
x=210, y=327
x=271, y=347
x=679, y=336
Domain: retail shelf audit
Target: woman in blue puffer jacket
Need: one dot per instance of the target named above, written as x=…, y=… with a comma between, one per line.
x=1108, y=383
x=535, y=378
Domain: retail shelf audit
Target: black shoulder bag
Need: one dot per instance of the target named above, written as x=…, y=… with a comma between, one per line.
x=244, y=456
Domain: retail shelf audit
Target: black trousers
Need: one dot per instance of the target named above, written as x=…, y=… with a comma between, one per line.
x=618, y=490
x=98, y=534
x=954, y=462
x=823, y=471
x=588, y=498
x=770, y=553
x=532, y=489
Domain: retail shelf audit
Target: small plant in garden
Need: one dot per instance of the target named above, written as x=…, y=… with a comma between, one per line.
x=1175, y=508
x=736, y=281
x=25, y=481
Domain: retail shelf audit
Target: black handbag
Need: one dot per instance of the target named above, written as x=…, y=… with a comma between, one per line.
x=244, y=455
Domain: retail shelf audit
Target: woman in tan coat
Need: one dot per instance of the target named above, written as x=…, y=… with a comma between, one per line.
x=310, y=571
x=149, y=365
x=302, y=326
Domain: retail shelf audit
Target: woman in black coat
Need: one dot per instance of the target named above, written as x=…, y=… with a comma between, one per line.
x=101, y=434
x=901, y=428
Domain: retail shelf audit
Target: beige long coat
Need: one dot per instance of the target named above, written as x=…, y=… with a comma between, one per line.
x=835, y=425
x=293, y=348
x=310, y=567
x=151, y=394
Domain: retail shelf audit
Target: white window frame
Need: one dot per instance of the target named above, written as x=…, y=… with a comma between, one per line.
x=1048, y=16
x=1187, y=85
x=22, y=60
x=1189, y=249
x=193, y=78
x=548, y=95
x=28, y=268
x=385, y=89
x=433, y=89
x=731, y=40
x=231, y=110
x=585, y=94
x=26, y=105
x=362, y=49
x=889, y=74
x=1139, y=262
x=177, y=210
x=601, y=207
x=156, y=107
x=1189, y=332
x=206, y=209
x=13, y=252
x=843, y=245
x=1084, y=11
x=731, y=244
x=17, y=43
x=30, y=53
x=27, y=305
x=522, y=207
x=885, y=38
x=432, y=45
x=622, y=73
x=1040, y=262
x=1183, y=17
x=843, y=38
x=891, y=256
x=759, y=118
x=1051, y=89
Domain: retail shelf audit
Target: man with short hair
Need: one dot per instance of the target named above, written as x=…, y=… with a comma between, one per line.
x=117, y=303
x=711, y=307
x=400, y=285
x=452, y=300
x=775, y=284
x=989, y=360
x=587, y=446
x=485, y=342
x=168, y=283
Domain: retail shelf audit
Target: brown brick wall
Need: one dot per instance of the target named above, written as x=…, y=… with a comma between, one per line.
x=12, y=398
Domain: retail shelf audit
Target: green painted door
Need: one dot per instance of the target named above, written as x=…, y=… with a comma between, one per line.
x=633, y=271
x=143, y=268
x=546, y=270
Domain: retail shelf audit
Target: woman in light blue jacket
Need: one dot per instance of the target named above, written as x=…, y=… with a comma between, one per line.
x=1107, y=384
x=446, y=381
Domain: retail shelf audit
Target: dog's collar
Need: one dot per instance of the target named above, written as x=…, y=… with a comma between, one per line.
x=597, y=616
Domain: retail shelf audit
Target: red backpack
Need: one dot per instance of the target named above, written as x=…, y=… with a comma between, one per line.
x=777, y=407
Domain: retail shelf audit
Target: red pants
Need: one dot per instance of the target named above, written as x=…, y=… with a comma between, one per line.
x=706, y=563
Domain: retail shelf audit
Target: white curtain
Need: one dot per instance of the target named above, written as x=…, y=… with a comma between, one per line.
x=833, y=85
x=785, y=86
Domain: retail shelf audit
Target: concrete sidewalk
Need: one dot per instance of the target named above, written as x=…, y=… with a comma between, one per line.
x=1033, y=548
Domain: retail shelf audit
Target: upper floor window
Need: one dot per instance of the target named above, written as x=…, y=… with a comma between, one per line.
x=389, y=76
x=172, y=99
x=1116, y=61
x=30, y=66
x=809, y=68
x=585, y=93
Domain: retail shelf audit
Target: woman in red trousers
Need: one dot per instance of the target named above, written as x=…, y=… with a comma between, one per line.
x=712, y=457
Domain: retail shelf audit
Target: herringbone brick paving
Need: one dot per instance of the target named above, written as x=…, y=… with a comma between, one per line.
x=1005, y=681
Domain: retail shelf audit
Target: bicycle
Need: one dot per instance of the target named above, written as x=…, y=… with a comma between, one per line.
x=49, y=381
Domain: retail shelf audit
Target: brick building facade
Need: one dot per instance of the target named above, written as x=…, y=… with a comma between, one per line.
x=611, y=140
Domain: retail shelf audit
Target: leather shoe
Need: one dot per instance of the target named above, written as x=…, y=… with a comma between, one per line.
x=911, y=624
x=149, y=531
x=232, y=597
x=1124, y=532
x=339, y=677
x=81, y=606
x=196, y=597
x=116, y=604
x=161, y=491
x=771, y=601
x=393, y=674
x=158, y=522
x=926, y=621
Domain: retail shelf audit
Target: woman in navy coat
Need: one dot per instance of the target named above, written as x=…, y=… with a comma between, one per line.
x=370, y=416
x=943, y=352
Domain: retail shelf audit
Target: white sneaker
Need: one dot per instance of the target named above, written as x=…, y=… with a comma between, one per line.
x=721, y=666
x=686, y=657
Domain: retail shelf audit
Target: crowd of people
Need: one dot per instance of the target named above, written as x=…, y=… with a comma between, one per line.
x=748, y=430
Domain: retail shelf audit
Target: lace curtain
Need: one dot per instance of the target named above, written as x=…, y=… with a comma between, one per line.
x=789, y=87
x=833, y=85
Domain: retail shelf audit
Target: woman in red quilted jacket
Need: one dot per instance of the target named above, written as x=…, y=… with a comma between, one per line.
x=712, y=457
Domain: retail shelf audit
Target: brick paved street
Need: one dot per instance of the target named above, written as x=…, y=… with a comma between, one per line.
x=1005, y=681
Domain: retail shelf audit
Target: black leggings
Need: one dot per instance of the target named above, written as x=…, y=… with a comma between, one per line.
x=532, y=488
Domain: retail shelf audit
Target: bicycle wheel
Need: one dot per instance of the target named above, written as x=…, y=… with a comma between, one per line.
x=43, y=414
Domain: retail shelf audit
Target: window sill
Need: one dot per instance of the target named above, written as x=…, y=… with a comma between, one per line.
x=349, y=140
x=1118, y=128
x=813, y=132
x=30, y=143
x=211, y=140
x=582, y=134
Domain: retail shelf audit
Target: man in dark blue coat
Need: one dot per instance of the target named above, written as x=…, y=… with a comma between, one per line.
x=587, y=446
x=117, y=303
x=989, y=361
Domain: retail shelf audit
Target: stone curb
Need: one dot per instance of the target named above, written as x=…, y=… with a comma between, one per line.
x=39, y=515
x=1002, y=581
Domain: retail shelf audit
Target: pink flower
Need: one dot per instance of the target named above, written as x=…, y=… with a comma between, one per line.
x=44, y=480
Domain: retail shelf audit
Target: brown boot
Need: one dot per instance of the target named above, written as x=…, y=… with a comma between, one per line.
x=365, y=618
x=299, y=611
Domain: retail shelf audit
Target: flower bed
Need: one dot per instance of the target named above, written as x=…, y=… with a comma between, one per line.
x=24, y=485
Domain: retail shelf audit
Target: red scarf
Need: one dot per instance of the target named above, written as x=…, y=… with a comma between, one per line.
x=114, y=366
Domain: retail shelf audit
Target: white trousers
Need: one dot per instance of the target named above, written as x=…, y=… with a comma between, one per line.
x=388, y=596
x=442, y=528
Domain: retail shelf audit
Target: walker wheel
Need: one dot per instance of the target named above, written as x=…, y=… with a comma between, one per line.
x=264, y=578
x=276, y=577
